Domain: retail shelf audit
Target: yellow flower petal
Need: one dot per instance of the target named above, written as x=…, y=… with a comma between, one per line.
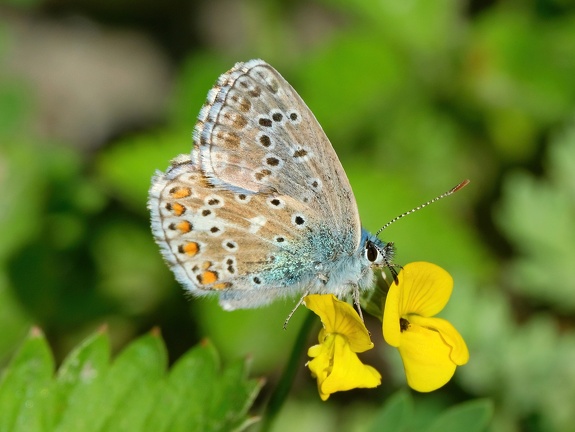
x=431, y=348
x=338, y=368
x=335, y=363
x=391, y=329
x=459, y=354
x=340, y=317
x=425, y=359
x=424, y=289
x=348, y=371
x=320, y=366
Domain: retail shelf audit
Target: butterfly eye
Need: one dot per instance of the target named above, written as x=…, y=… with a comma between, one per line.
x=371, y=252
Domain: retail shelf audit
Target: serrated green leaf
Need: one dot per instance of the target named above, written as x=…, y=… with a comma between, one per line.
x=26, y=400
x=191, y=385
x=395, y=415
x=130, y=385
x=234, y=395
x=131, y=413
x=472, y=416
x=80, y=384
x=164, y=411
x=201, y=397
x=134, y=393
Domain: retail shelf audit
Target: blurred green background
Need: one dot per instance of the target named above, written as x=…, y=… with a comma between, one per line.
x=415, y=96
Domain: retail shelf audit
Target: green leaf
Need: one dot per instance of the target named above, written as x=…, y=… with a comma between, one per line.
x=132, y=385
x=395, y=415
x=205, y=398
x=135, y=392
x=80, y=384
x=234, y=395
x=25, y=390
x=472, y=416
x=191, y=385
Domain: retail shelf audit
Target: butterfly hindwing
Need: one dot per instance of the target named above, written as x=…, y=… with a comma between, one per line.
x=241, y=244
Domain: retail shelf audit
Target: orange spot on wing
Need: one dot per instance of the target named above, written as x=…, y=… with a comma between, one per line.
x=180, y=192
x=178, y=209
x=208, y=277
x=191, y=248
x=184, y=226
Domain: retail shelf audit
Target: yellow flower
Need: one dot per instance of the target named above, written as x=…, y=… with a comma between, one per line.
x=335, y=363
x=430, y=348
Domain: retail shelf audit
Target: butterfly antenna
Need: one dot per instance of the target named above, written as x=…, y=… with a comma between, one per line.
x=413, y=210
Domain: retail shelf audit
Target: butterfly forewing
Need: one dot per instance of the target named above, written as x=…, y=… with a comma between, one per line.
x=257, y=134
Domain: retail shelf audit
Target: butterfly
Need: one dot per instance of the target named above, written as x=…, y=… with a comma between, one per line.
x=261, y=208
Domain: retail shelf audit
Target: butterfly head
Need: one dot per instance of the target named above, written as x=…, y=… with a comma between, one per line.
x=378, y=253
x=375, y=252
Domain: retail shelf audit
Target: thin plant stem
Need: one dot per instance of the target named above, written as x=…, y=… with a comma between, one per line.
x=284, y=385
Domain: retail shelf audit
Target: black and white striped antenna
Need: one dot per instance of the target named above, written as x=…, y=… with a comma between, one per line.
x=419, y=207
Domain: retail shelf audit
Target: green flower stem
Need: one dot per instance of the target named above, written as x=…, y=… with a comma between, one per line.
x=284, y=385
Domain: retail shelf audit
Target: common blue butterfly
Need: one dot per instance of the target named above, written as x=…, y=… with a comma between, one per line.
x=262, y=207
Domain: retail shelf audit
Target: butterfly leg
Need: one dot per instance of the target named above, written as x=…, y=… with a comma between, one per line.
x=355, y=295
x=295, y=308
x=393, y=272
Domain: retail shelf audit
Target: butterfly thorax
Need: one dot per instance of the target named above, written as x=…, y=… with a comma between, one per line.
x=340, y=271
